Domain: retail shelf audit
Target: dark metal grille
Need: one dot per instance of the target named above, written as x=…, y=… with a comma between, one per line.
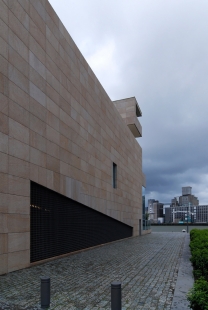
x=61, y=225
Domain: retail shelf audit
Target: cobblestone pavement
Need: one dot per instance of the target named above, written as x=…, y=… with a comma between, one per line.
x=146, y=266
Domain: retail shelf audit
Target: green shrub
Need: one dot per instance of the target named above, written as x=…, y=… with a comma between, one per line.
x=197, y=274
x=198, y=233
x=198, y=296
x=193, y=233
x=199, y=252
x=199, y=260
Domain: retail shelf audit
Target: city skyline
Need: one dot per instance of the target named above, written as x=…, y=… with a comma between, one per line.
x=187, y=190
x=157, y=52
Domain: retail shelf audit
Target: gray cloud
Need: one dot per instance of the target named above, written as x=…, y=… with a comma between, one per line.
x=157, y=52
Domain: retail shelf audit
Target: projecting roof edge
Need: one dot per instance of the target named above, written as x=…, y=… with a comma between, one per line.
x=138, y=110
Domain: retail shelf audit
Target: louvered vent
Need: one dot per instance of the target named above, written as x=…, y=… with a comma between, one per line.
x=61, y=225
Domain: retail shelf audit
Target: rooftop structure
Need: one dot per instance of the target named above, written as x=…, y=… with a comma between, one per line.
x=130, y=111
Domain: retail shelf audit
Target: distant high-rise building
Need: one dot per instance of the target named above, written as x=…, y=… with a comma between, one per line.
x=155, y=210
x=202, y=214
x=186, y=199
x=168, y=215
x=150, y=205
x=175, y=201
x=179, y=206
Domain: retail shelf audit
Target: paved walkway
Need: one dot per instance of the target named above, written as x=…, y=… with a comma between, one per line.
x=147, y=267
x=185, y=280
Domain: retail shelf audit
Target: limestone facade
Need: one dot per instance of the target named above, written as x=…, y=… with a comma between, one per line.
x=58, y=127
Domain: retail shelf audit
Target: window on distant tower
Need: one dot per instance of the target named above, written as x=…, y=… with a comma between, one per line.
x=114, y=175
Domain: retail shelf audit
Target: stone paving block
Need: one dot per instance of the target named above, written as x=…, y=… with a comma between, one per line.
x=146, y=266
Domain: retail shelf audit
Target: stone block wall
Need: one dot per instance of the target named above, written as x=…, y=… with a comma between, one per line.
x=58, y=127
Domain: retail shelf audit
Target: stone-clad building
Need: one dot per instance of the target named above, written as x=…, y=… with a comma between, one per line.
x=70, y=167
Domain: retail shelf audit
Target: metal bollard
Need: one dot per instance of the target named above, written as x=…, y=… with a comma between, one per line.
x=45, y=292
x=116, y=296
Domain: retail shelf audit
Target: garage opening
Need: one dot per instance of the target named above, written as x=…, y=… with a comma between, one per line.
x=60, y=225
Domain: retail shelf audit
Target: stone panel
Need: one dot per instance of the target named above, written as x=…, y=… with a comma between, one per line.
x=53, y=60
x=18, y=131
x=3, y=223
x=53, y=164
x=52, y=135
x=18, y=45
x=4, y=12
x=37, y=94
x=37, y=125
x=18, y=149
x=53, y=107
x=52, y=39
x=37, y=157
x=25, y=5
x=18, y=260
x=37, y=65
x=19, y=12
x=3, y=183
x=3, y=203
x=18, y=78
x=3, y=143
x=20, y=63
x=18, y=95
x=18, y=167
x=53, y=81
x=3, y=263
x=16, y=26
x=53, y=149
x=4, y=30
x=18, y=242
x=4, y=48
x=34, y=172
x=40, y=8
x=53, y=121
x=37, y=80
x=56, y=182
x=18, y=223
x=4, y=85
x=19, y=114
x=4, y=104
x=36, y=49
x=42, y=176
x=39, y=111
x=18, y=186
x=52, y=94
x=3, y=244
x=37, y=19
x=3, y=162
x=18, y=204
x=37, y=34
x=38, y=142
x=50, y=179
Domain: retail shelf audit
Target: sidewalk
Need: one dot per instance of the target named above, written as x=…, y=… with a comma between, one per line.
x=147, y=266
x=185, y=280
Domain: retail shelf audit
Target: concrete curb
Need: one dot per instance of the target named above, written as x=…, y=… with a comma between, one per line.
x=185, y=280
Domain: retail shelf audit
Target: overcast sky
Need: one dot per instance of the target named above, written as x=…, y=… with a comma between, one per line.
x=157, y=51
